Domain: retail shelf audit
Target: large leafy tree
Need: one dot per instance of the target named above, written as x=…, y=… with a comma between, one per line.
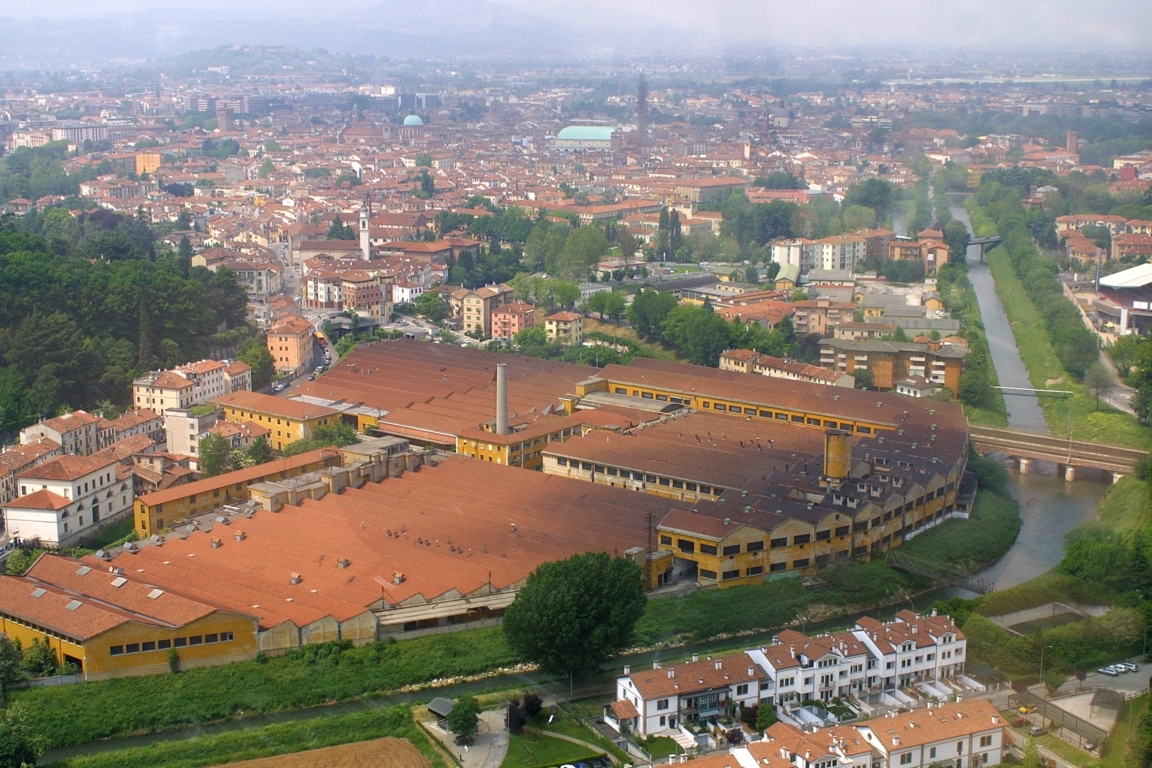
x=648, y=312
x=254, y=352
x=699, y=333
x=20, y=745
x=213, y=455
x=573, y=615
x=464, y=719
x=582, y=249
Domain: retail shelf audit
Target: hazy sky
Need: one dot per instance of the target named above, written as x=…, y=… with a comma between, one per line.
x=1104, y=25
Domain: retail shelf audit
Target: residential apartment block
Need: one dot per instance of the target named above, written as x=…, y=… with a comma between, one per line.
x=291, y=343
x=892, y=361
x=18, y=458
x=967, y=733
x=822, y=315
x=65, y=498
x=933, y=254
x=76, y=433
x=191, y=384
x=511, y=318
x=663, y=697
x=565, y=328
x=472, y=309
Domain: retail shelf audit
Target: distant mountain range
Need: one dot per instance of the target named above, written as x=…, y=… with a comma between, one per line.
x=427, y=29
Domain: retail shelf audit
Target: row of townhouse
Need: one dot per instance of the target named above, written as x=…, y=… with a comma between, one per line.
x=1116, y=225
x=82, y=433
x=191, y=384
x=966, y=734
x=872, y=656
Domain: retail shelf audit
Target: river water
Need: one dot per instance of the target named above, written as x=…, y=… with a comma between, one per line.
x=1050, y=507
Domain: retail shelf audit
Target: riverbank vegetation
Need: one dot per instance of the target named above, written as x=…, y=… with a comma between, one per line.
x=983, y=404
x=267, y=741
x=310, y=677
x=1108, y=562
x=1054, y=343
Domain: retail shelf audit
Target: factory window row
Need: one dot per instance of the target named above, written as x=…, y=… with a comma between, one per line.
x=42, y=630
x=163, y=645
x=626, y=474
x=756, y=570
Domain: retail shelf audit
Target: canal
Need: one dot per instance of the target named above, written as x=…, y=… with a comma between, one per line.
x=1050, y=507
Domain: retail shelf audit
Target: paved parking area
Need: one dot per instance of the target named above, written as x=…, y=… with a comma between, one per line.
x=1129, y=683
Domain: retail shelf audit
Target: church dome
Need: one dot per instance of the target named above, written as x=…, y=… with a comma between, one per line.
x=413, y=120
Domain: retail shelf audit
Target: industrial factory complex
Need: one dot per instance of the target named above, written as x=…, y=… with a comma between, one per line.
x=480, y=467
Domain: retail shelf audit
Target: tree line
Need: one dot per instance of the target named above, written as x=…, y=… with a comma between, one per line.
x=1076, y=347
x=87, y=304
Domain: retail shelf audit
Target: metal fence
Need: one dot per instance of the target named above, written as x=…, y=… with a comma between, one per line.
x=1059, y=717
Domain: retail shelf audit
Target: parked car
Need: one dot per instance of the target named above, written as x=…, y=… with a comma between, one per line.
x=1128, y=666
x=312, y=377
x=1037, y=730
x=1110, y=671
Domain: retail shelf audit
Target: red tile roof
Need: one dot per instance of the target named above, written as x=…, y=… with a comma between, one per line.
x=209, y=484
x=67, y=467
x=462, y=525
x=286, y=407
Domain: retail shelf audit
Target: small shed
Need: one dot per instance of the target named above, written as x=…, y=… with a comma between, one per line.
x=441, y=708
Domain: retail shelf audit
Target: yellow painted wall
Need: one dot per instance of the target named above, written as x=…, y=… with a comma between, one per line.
x=284, y=430
x=827, y=541
x=98, y=662
x=746, y=409
x=150, y=519
x=16, y=630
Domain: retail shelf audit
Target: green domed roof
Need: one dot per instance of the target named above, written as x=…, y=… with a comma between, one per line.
x=413, y=120
x=586, y=133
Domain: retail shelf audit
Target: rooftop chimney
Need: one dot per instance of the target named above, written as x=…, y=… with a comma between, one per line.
x=502, y=399
x=837, y=454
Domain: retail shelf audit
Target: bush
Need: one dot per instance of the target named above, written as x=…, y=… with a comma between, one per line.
x=990, y=474
x=533, y=703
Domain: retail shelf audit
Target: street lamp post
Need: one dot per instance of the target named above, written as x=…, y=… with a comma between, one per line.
x=1042, y=663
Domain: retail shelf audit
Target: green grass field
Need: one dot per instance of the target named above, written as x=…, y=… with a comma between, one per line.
x=1118, y=747
x=567, y=725
x=660, y=747
x=267, y=741
x=529, y=750
x=77, y=714
x=1107, y=424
